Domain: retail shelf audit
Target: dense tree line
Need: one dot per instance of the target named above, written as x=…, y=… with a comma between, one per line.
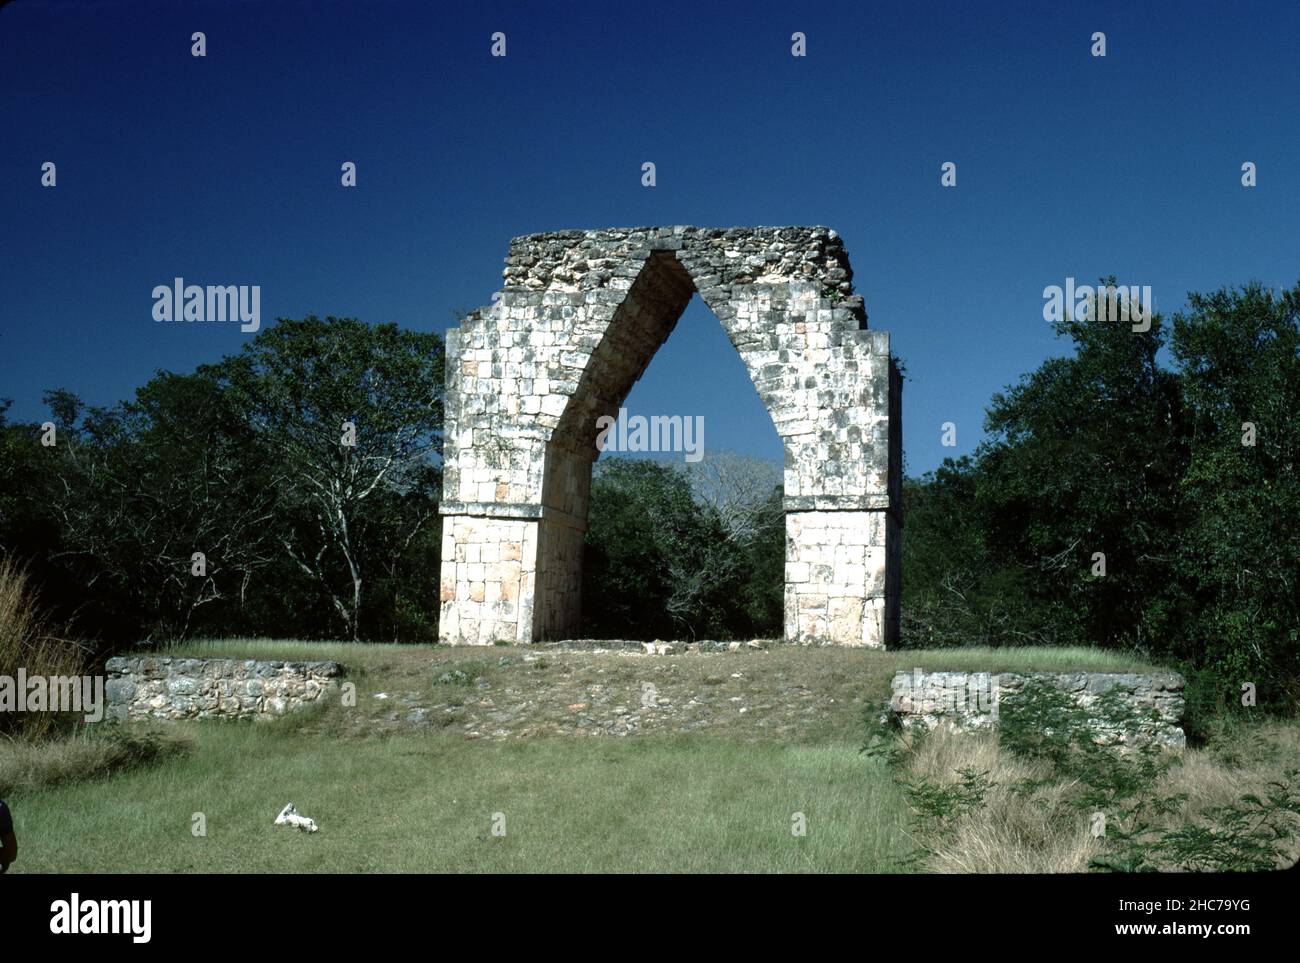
x=290, y=490
x=1124, y=503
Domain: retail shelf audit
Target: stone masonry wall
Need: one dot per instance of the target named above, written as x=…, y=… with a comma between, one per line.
x=488, y=573
x=969, y=700
x=579, y=318
x=167, y=688
x=835, y=575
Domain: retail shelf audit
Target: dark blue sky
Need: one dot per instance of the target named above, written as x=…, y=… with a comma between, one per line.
x=225, y=170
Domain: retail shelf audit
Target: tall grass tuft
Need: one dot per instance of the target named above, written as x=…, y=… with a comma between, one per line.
x=91, y=753
x=29, y=640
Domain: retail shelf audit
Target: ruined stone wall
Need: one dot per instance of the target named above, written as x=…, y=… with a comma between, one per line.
x=168, y=688
x=580, y=317
x=970, y=700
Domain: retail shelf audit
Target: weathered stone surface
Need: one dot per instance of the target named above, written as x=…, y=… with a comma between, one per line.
x=163, y=688
x=579, y=319
x=969, y=700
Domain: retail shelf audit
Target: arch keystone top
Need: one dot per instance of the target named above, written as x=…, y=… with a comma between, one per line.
x=577, y=322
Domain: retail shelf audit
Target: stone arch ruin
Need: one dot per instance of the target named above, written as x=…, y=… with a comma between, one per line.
x=576, y=324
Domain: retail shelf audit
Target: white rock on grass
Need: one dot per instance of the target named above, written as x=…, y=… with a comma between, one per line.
x=289, y=816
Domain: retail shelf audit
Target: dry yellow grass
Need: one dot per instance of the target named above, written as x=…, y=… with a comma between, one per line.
x=1012, y=832
x=28, y=640
x=1241, y=762
x=1039, y=831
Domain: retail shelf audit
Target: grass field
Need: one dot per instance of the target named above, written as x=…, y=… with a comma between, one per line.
x=427, y=803
x=587, y=778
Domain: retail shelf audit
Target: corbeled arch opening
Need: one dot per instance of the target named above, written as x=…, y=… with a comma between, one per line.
x=640, y=325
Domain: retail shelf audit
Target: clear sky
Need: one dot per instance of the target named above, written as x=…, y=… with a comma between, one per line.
x=225, y=169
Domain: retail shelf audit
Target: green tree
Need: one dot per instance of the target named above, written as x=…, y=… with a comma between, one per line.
x=144, y=486
x=1085, y=457
x=645, y=551
x=1239, y=352
x=956, y=589
x=672, y=553
x=353, y=413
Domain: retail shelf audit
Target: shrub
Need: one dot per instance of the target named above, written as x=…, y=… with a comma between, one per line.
x=1251, y=835
x=463, y=673
x=1042, y=722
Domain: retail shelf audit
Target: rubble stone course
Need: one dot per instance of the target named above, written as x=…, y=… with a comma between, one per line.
x=968, y=701
x=151, y=687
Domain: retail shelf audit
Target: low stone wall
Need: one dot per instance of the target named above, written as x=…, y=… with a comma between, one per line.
x=969, y=700
x=166, y=688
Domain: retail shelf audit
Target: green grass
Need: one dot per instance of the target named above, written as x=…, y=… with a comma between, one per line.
x=1027, y=659
x=393, y=798
x=89, y=752
x=426, y=803
x=288, y=650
